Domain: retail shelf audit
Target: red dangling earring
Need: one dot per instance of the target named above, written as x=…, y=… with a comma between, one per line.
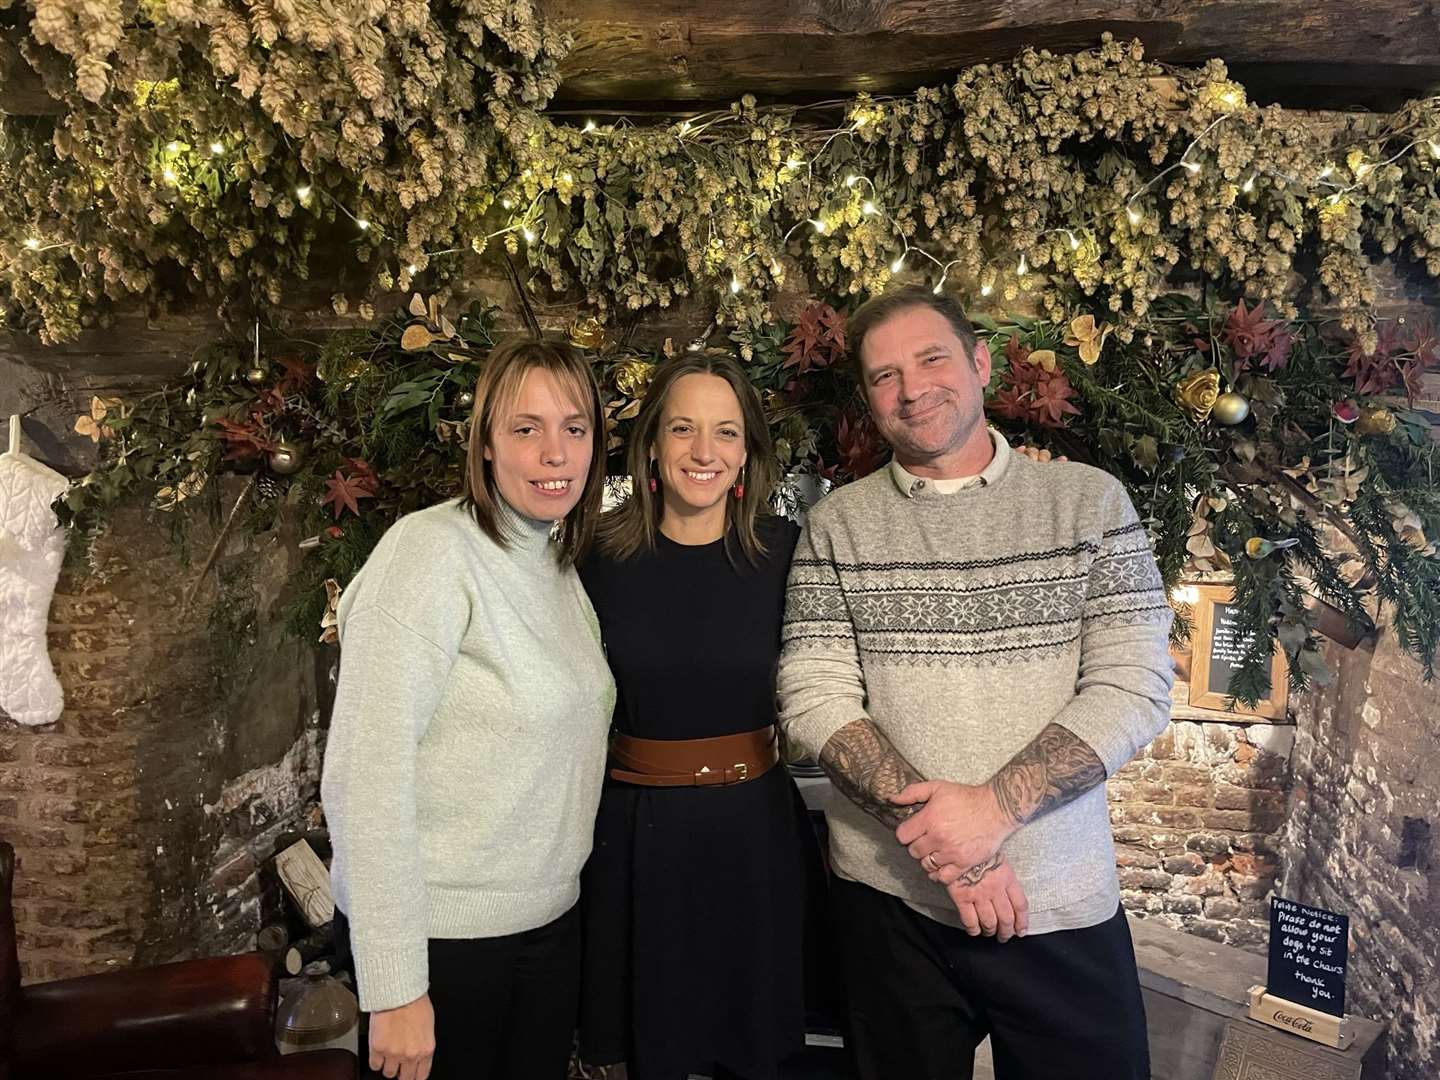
x=654, y=487
x=740, y=490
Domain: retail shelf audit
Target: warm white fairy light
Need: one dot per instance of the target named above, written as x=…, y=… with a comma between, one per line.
x=898, y=264
x=217, y=148
x=986, y=289
x=508, y=204
x=528, y=233
x=868, y=208
x=1435, y=148
x=1074, y=240
x=566, y=177
x=734, y=284
x=412, y=269
x=169, y=176
x=794, y=163
x=173, y=147
x=363, y=223
x=1133, y=215
x=685, y=127
x=1023, y=268
x=850, y=180
x=590, y=126
x=1249, y=184
x=303, y=192
x=1192, y=166
x=820, y=226
x=32, y=243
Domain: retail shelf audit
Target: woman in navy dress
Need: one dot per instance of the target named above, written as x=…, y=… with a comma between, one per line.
x=697, y=894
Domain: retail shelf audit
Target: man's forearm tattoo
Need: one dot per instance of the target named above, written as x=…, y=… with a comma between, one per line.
x=1057, y=767
x=977, y=873
x=867, y=769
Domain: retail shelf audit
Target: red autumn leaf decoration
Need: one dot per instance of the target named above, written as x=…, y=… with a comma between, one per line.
x=343, y=491
x=1032, y=395
x=818, y=339
x=243, y=440
x=858, y=441
x=1375, y=372
x=298, y=375
x=1252, y=337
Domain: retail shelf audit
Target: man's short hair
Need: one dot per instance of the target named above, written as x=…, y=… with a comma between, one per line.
x=879, y=308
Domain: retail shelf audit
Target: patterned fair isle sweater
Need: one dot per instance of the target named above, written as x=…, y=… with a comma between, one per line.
x=961, y=625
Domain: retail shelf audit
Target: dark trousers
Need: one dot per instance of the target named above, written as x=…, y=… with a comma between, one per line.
x=505, y=1007
x=922, y=996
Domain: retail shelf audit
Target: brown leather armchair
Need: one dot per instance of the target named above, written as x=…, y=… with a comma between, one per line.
x=195, y=1020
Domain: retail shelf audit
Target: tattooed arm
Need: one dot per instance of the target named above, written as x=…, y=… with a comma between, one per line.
x=961, y=826
x=867, y=769
x=1056, y=767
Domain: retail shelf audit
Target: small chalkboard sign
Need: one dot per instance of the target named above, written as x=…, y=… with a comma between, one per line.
x=1308, y=947
x=1217, y=646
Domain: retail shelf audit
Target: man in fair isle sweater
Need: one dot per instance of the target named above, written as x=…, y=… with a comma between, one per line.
x=973, y=642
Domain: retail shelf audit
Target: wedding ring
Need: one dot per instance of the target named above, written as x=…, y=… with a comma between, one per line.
x=929, y=863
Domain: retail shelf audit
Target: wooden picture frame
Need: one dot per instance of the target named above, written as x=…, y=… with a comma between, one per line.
x=1205, y=664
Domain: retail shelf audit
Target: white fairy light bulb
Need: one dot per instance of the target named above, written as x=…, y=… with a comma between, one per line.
x=363, y=223
x=217, y=148
x=169, y=176
x=734, y=284
x=1023, y=268
x=897, y=265
x=1249, y=184
x=528, y=233
x=302, y=192
x=1133, y=215
x=589, y=127
x=173, y=147
x=986, y=290
x=32, y=243
x=820, y=226
x=851, y=180
x=868, y=208
x=1192, y=166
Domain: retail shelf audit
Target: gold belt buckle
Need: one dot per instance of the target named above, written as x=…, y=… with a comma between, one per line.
x=742, y=771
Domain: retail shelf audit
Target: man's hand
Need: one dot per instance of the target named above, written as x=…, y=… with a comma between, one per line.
x=402, y=1041
x=990, y=901
x=959, y=827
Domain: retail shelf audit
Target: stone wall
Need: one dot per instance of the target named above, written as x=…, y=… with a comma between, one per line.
x=141, y=819
x=1197, y=818
x=1365, y=801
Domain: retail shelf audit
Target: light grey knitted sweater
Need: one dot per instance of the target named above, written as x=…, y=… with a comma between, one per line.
x=961, y=625
x=467, y=747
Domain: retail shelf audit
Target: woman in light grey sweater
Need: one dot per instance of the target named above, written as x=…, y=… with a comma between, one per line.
x=467, y=746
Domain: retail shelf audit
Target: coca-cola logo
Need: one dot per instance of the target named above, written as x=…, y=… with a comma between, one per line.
x=1297, y=1022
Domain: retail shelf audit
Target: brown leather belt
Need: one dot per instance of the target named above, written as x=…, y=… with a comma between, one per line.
x=728, y=759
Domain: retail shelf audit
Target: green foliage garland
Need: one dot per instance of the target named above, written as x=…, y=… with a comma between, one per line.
x=1326, y=488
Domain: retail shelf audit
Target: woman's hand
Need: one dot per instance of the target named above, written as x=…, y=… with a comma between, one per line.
x=1037, y=453
x=402, y=1041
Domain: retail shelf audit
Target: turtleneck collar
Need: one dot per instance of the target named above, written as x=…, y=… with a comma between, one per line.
x=526, y=535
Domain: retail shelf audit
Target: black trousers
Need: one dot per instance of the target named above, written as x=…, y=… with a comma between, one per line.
x=922, y=996
x=505, y=1007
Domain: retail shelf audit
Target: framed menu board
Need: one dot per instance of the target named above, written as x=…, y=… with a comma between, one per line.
x=1216, y=648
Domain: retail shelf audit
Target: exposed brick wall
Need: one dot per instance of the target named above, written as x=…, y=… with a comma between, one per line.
x=1197, y=818
x=177, y=752
x=1366, y=800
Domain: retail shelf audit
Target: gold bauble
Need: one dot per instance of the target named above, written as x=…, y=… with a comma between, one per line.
x=1378, y=421
x=1196, y=393
x=633, y=377
x=587, y=334
x=1230, y=408
x=286, y=458
x=255, y=376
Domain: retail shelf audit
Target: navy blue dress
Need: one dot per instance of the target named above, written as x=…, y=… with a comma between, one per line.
x=695, y=901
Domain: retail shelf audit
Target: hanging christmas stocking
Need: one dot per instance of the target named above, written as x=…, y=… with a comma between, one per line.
x=32, y=546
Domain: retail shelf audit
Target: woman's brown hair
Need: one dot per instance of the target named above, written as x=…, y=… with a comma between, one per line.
x=495, y=391
x=633, y=526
